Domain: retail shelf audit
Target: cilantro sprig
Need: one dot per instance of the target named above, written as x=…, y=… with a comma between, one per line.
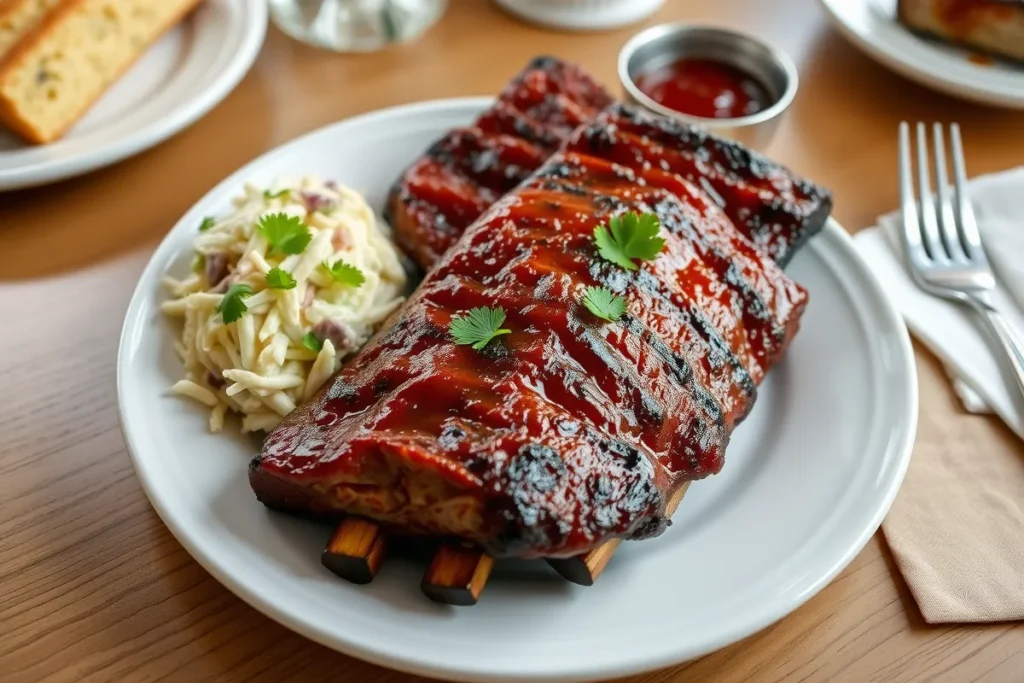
x=208, y=222
x=628, y=237
x=478, y=327
x=232, y=306
x=602, y=303
x=278, y=278
x=284, y=233
x=344, y=273
x=312, y=342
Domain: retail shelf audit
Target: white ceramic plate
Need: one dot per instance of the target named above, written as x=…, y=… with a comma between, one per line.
x=872, y=26
x=807, y=480
x=180, y=78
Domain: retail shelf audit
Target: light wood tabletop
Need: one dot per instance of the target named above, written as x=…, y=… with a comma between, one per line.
x=92, y=585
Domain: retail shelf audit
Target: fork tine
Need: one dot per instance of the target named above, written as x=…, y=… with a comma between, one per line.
x=965, y=212
x=929, y=222
x=911, y=224
x=947, y=219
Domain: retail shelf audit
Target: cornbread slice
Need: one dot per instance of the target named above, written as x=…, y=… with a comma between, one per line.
x=53, y=74
x=995, y=27
x=18, y=17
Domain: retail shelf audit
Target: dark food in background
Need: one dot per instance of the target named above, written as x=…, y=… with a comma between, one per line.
x=569, y=431
x=995, y=27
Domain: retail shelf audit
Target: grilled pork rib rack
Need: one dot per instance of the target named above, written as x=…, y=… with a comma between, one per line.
x=469, y=169
x=570, y=432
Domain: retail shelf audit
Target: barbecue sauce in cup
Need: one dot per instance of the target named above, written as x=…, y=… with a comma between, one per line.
x=705, y=88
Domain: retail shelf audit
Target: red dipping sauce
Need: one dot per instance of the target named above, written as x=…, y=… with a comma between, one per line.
x=706, y=88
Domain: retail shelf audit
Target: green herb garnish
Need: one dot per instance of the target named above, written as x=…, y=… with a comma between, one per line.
x=232, y=306
x=284, y=233
x=602, y=303
x=267, y=194
x=207, y=223
x=345, y=273
x=311, y=342
x=280, y=279
x=627, y=237
x=478, y=327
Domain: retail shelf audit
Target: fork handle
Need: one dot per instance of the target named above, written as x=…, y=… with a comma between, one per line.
x=1007, y=337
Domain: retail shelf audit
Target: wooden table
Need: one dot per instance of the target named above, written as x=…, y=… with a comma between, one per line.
x=94, y=588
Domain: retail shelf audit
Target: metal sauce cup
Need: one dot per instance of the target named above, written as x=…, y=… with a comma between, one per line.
x=661, y=45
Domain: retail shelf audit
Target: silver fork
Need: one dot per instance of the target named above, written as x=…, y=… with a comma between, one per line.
x=941, y=239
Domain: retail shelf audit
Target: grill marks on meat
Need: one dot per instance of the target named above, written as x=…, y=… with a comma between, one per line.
x=569, y=431
x=465, y=172
x=469, y=169
x=774, y=208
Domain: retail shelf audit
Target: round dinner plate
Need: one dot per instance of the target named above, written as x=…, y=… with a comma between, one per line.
x=872, y=26
x=807, y=480
x=179, y=79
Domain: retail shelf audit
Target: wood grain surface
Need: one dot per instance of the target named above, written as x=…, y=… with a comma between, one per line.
x=94, y=588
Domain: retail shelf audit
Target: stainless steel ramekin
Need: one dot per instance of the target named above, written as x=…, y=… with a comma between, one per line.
x=661, y=45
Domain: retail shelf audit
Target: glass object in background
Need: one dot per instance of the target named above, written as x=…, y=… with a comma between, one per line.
x=355, y=25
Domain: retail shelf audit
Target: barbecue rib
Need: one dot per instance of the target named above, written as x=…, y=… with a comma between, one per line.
x=569, y=431
x=992, y=26
x=469, y=169
x=465, y=172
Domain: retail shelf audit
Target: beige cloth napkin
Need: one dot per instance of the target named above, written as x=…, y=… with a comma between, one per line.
x=956, y=529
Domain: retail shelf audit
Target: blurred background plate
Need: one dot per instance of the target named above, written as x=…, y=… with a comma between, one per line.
x=582, y=15
x=178, y=80
x=872, y=26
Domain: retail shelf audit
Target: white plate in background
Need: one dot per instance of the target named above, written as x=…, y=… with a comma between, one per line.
x=807, y=480
x=582, y=15
x=179, y=79
x=872, y=26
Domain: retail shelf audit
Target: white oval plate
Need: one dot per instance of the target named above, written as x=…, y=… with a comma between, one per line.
x=184, y=75
x=872, y=26
x=807, y=480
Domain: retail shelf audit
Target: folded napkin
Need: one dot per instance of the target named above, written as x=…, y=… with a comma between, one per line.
x=957, y=527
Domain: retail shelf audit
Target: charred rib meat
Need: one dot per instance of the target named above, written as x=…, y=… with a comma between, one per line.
x=465, y=172
x=569, y=431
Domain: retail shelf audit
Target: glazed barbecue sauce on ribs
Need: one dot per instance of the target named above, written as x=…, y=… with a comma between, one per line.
x=469, y=169
x=570, y=429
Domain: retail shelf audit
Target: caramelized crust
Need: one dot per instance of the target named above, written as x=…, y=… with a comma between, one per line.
x=465, y=172
x=570, y=431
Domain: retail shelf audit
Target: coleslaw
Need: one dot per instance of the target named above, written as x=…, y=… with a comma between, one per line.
x=266, y=319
